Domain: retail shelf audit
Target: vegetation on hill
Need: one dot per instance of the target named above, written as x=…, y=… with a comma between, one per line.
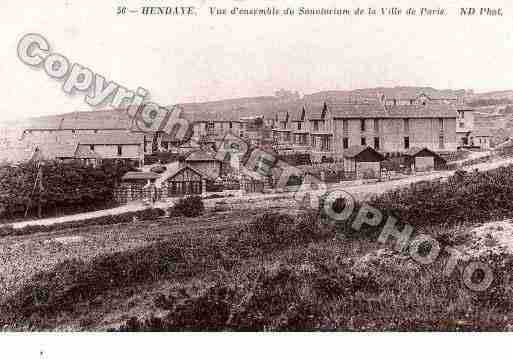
x=279, y=272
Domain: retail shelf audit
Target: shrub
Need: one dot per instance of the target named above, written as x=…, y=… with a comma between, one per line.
x=66, y=186
x=71, y=281
x=189, y=206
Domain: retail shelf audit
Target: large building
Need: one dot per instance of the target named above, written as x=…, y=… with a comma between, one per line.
x=66, y=128
x=330, y=128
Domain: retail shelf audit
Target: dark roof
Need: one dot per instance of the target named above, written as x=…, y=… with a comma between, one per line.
x=414, y=151
x=354, y=151
x=127, y=138
x=139, y=176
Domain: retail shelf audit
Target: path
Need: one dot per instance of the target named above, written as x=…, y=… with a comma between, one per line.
x=360, y=192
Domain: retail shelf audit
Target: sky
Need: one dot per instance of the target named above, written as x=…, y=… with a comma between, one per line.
x=200, y=58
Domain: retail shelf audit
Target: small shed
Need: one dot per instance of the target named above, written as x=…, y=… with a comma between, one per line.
x=133, y=185
x=422, y=159
x=205, y=162
x=364, y=161
x=186, y=180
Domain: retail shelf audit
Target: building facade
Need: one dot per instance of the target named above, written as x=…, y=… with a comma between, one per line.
x=331, y=128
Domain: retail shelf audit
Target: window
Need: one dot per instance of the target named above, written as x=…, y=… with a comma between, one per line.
x=120, y=150
x=462, y=124
x=345, y=142
x=72, y=131
x=407, y=142
x=95, y=131
x=362, y=125
x=376, y=125
x=441, y=124
x=299, y=125
x=91, y=147
x=325, y=144
x=316, y=125
x=406, y=125
x=345, y=126
x=441, y=143
x=231, y=125
x=376, y=143
x=363, y=141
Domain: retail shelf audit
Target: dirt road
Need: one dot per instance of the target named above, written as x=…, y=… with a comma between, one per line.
x=360, y=192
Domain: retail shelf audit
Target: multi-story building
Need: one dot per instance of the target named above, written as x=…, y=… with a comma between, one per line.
x=464, y=125
x=333, y=127
x=282, y=132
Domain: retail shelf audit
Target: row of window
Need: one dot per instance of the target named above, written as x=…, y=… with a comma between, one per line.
x=406, y=142
x=363, y=125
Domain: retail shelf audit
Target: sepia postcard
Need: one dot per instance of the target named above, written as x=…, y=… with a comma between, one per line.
x=196, y=177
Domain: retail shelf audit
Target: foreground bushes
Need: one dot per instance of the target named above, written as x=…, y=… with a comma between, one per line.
x=189, y=207
x=72, y=281
x=465, y=197
x=380, y=291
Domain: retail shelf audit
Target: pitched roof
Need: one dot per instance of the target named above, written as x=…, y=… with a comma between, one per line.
x=180, y=168
x=313, y=110
x=139, y=176
x=422, y=111
x=355, y=150
x=413, y=151
x=112, y=119
x=110, y=139
x=346, y=110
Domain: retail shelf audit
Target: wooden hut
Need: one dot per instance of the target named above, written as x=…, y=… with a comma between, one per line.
x=364, y=161
x=422, y=159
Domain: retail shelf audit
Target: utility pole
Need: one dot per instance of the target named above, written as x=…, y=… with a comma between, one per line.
x=41, y=189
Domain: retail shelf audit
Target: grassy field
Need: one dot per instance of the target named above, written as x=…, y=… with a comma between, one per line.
x=255, y=270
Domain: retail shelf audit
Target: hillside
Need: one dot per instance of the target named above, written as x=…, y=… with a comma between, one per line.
x=269, y=105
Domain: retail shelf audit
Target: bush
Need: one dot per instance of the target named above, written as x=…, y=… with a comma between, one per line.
x=66, y=186
x=463, y=198
x=75, y=280
x=189, y=207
